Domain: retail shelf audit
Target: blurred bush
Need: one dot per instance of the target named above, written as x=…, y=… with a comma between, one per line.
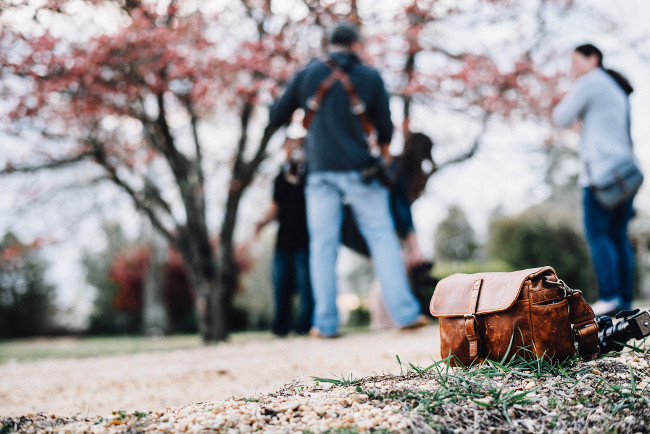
x=104, y=318
x=444, y=268
x=178, y=295
x=455, y=237
x=359, y=317
x=542, y=236
x=119, y=273
x=26, y=299
x=254, y=299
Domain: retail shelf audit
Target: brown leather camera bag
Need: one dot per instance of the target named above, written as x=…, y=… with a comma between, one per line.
x=524, y=313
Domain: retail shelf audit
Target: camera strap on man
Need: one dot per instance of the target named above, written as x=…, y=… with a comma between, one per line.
x=296, y=166
x=357, y=106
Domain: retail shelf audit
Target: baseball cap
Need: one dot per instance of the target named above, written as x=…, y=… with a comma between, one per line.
x=344, y=33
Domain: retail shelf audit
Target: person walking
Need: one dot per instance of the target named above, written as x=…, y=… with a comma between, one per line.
x=599, y=99
x=337, y=153
x=290, y=269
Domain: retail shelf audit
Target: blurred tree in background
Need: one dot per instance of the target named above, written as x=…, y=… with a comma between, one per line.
x=119, y=273
x=129, y=270
x=126, y=102
x=178, y=295
x=129, y=100
x=103, y=318
x=455, y=237
x=26, y=299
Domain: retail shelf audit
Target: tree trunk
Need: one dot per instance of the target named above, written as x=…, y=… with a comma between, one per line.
x=214, y=312
x=216, y=277
x=227, y=271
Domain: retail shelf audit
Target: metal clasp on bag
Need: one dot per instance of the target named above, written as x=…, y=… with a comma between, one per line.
x=472, y=316
x=560, y=283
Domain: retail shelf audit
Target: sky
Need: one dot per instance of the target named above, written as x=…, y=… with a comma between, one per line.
x=504, y=173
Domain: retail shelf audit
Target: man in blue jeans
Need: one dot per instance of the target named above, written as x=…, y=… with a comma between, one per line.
x=337, y=152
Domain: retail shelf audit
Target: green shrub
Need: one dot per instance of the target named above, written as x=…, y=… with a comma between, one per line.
x=455, y=237
x=26, y=299
x=253, y=301
x=535, y=239
x=443, y=269
x=104, y=319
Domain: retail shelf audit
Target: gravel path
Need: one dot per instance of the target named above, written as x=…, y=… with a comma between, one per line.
x=266, y=386
x=156, y=381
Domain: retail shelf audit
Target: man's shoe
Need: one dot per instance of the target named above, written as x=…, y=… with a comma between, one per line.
x=316, y=333
x=421, y=321
x=602, y=307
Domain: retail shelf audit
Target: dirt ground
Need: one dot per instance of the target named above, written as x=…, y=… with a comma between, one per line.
x=160, y=380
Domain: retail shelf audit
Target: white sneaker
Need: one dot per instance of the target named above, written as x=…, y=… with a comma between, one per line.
x=602, y=307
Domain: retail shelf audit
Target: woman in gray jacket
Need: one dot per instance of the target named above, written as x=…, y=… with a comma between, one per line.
x=599, y=99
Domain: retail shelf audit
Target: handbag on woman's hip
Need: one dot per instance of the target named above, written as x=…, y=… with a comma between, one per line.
x=499, y=316
x=621, y=184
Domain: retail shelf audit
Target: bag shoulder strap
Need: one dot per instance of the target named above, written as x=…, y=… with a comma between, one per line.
x=629, y=121
x=357, y=105
x=582, y=318
x=584, y=326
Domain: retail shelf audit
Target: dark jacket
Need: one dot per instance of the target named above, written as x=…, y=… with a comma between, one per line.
x=292, y=229
x=335, y=141
x=400, y=203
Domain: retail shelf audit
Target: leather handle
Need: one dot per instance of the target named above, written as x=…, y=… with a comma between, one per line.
x=471, y=322
x=584, y=326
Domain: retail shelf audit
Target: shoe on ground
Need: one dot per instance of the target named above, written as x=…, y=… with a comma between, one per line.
x=316, y=333
x=602, y=307
x=420, y=321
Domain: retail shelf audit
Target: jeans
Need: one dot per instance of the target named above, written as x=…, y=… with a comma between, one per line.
x=325, y=193
x=611, y=251
x=290, y=275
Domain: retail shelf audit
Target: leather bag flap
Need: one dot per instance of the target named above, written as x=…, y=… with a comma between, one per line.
x=499, y=291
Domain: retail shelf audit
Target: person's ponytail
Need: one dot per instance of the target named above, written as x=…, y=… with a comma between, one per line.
x=621, y=80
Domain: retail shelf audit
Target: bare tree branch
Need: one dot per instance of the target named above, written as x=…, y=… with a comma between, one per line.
x=197, y=143
x=138, y=199
x=57, y=164
x=475, y=146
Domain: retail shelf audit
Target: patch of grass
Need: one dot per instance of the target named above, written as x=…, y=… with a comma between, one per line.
x=245, y=399
x=79, y=347
x=513, y=393
x=337, y=381
x=443, y=269
x=350, y=430
x=475, y=385
x=96, y=346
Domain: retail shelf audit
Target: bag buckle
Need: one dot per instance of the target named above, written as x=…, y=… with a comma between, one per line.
x=471, y=316
x=560, y=283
